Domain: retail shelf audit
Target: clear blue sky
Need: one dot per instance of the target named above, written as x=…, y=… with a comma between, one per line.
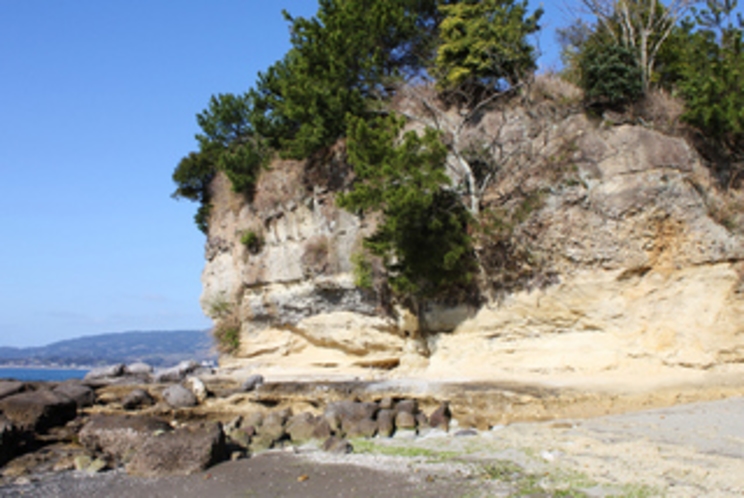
x=98, y=99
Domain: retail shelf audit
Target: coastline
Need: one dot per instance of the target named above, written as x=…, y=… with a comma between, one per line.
x=44, y=367
x=42, y=374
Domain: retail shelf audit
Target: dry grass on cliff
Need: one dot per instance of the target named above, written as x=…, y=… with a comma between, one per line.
x=316, y=258
x=226, y=333
x=278, y=185
x=662, y=111
x=551, y=86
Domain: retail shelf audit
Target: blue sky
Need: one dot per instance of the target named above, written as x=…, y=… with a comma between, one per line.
x=98, y=103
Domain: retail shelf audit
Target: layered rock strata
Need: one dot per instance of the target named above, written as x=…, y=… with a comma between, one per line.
x=637, y=274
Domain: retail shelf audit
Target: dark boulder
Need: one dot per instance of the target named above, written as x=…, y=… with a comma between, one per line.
x=181, y=452
x=8, y=440
x=82, y=395
x=338, y=445
x=301, y=427
x=306, y=426
x=422, y=420
x=239, y=436
x=386, y=403
x=254, y=419
x=38, y=411
x=360, y=428
x=273, y=426
x=441, y=417
x=118, y=436
x=137, y=398
x=407, y=406
x=340, y=414
x=405, y=420
x=10, y=387
x=385, y=423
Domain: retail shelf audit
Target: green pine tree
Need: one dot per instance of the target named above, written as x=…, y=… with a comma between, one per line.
x=483, y=44
x=422, y=236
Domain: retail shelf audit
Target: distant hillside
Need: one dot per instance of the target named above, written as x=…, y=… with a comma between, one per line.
x=156, y=348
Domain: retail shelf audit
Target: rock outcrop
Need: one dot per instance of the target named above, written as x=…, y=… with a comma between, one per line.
x=629, y=269
x=119, y=436
x=38, y=411
x=183, y=451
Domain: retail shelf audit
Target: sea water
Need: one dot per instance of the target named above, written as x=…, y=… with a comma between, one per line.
x=42, y=374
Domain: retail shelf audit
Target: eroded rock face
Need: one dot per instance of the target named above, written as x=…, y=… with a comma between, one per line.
x=634, y=271
x=183, y=451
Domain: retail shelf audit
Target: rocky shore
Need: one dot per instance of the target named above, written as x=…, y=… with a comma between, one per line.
x=179, y=421
x=131, y=426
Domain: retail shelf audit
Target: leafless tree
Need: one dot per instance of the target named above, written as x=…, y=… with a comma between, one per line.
x=642, y=25
x=422, y=103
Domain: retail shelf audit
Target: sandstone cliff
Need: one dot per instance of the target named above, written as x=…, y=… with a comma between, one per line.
x=628, y=271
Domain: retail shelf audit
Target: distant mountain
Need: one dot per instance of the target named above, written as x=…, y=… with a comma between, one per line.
x=156, y=348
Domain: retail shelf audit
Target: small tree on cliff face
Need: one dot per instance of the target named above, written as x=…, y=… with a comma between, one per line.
x=192, y=176
x=422, y=237
x=227, y=143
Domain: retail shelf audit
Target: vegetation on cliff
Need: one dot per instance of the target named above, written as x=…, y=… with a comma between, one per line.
x=693, y=50
x=367, y=73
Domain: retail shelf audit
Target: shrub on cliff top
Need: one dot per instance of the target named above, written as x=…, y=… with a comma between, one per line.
x=610, y=75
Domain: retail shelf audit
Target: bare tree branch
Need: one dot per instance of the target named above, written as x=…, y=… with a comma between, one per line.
x=644, y=25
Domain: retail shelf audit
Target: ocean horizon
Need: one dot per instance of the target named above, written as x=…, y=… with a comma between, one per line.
x=42, y=374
